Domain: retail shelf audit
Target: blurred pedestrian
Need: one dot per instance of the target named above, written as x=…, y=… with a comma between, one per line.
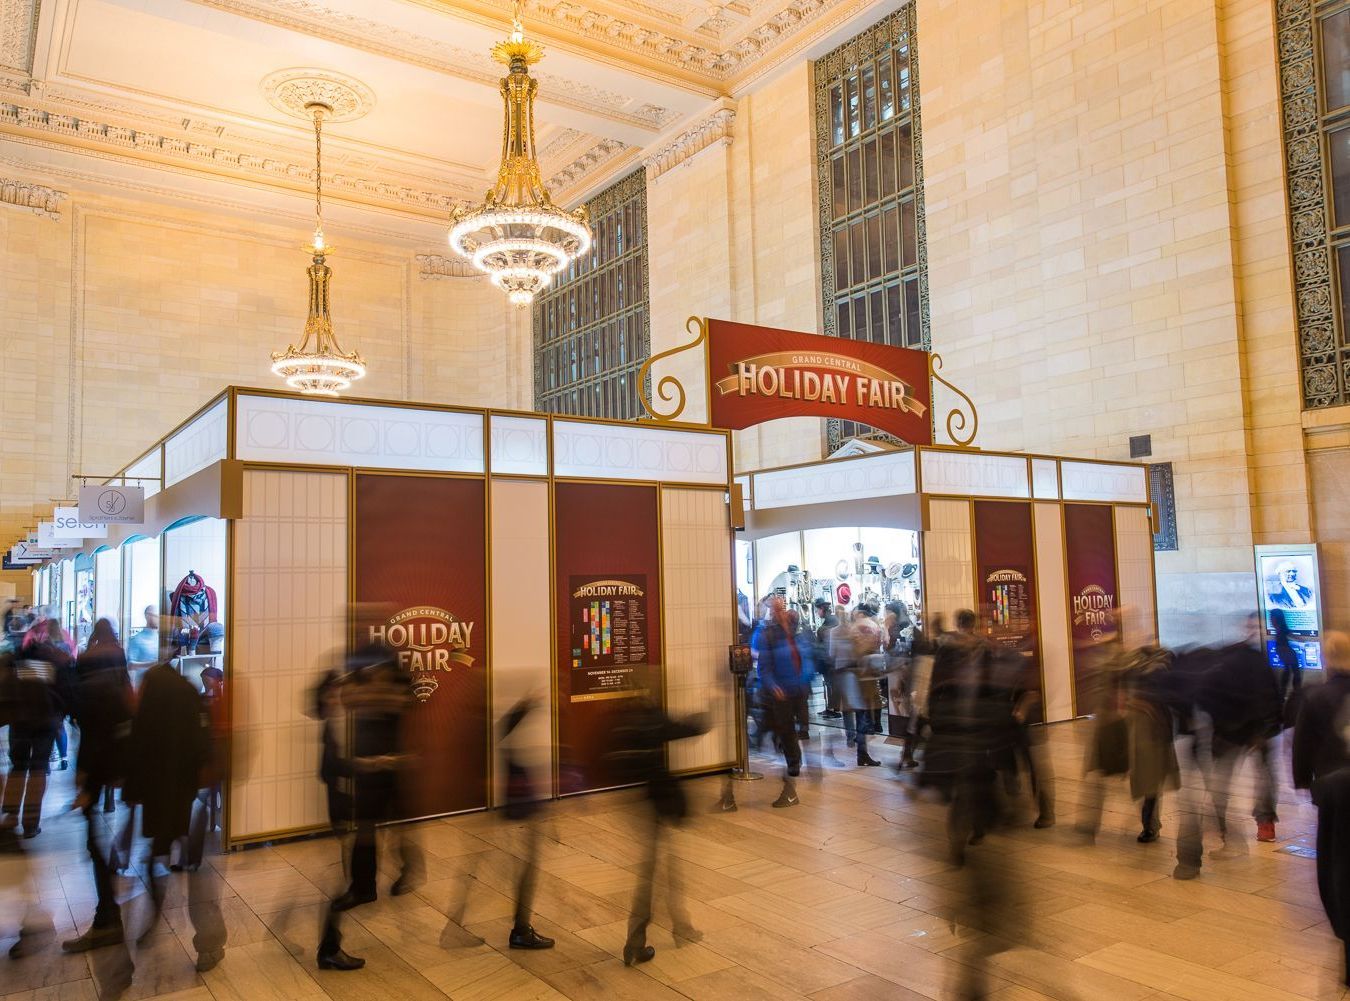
x=859, y=666
x=1322, y=766
x=785, y=669
x=43, y=680
x=170, y=745
x=102, y=710
x=522, y=805
x=641, y=736
x=377, y=696
x=335, y=770
x=824, y=659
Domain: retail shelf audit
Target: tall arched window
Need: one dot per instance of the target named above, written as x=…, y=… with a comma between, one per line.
x=870, y=169
x=591, y=328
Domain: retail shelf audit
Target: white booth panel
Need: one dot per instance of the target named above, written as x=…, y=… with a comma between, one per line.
x=519, y=445
x=699, y=622
x=1045, y=479
x=948, y=574
x=197, y=445
x=318, y=433
x=638, y=452
x=108, y=587
x=1134, y=566
x=1100, y=481
x=521, y=653
x=885, y=475
x=773, y=555
x=974, y=474
x=147, y=466
x=1052, y=606
x=290, y=623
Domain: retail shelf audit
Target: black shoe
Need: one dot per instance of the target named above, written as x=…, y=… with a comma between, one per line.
x=1147, y=837
x=786, y=798
x=868, y=760
x=340, y=961
x=349, y=900
x=637, y=954
x=1044, y=821
x=64, y=765
x=528, y=938
x=95, y=938
x=29, y=833
x=404, y=885
x=207, y=961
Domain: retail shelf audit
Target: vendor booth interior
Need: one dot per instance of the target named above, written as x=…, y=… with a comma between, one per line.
x=499, y=554
x=1048, y=552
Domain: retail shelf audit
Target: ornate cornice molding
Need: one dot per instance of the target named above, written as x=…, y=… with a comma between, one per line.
x=584, y=164
x=435, y=267
x=312, y=17
x=713, y=129
x=36, y=198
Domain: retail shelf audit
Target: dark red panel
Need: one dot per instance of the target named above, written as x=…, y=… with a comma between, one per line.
x=1005, y=561
x=1090, y=546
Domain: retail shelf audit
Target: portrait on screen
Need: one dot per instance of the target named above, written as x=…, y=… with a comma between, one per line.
x=1290, y=583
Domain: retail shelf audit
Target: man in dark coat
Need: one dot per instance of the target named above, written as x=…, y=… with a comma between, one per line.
x=43, y=674
x=170, y=744
x=640, y=740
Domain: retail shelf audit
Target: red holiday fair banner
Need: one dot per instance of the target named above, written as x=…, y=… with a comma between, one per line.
x=759, y=374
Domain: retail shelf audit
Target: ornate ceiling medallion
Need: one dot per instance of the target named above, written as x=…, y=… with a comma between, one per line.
x=517, y=235
x=294, y=91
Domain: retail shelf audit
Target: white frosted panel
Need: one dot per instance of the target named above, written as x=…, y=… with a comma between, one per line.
x=974, y=474
x=199, y=545
x=699, y=615
x=140, y=583
x=519, y=445
x=747, y=490
x=1134, y=565
x=949, y=583
x=317, y=433
x=1052, y=604
x=196, y=446
x=146, y=466
x=773, y=554
x=887, y=475
x=521, y=652
x=1097, y=481
x=108, y=587
x=290, y=588
x=638, y=452
x=1044, y=479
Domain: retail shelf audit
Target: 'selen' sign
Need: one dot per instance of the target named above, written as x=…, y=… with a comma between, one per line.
x=761, y=374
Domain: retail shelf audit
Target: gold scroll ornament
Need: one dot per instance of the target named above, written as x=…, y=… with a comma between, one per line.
x=670, y=390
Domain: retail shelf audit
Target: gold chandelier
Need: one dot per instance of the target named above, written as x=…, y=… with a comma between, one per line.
x=517, y=235
x=318, y=366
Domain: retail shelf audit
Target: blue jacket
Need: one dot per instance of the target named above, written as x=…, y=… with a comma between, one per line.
x=776, y=663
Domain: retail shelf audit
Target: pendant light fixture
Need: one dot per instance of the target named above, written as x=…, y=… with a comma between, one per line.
x=517, y=235
x=318, y=366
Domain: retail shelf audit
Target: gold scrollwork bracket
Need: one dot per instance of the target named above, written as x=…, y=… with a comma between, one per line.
x=956, y=417
x=668, y=389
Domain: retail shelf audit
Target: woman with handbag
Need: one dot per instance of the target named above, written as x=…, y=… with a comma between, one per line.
x=857, y=676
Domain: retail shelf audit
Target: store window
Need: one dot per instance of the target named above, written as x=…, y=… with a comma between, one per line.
x=140, y=602
x=193, y=620
x=869, y=164
x=1314, y=52
x=591, y=332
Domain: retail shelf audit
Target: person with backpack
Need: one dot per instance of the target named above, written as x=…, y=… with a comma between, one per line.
x=43, y=673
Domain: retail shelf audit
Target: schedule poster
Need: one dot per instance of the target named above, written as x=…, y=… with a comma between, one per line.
x=608, y=616
x=1008, y=602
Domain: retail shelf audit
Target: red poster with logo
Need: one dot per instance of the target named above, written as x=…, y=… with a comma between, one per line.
x=420, y=557
x=760, y=374
x=1005, y=559
x=1090, y=547
x=607, y=564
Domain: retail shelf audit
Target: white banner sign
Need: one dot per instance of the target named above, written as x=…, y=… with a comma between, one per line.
x=112, y=505
x=47, y=538
x=69, y=526
x=19, y=555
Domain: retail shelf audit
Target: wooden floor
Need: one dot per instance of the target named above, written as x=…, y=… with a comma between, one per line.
x=846, y=896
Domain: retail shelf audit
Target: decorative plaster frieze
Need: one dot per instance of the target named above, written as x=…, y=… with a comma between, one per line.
x=582, y=165
x=436, y=267
x=40, y=200
x=217, y=158
x=712, y=129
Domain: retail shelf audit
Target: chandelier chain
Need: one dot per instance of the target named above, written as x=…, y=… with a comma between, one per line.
x=318, y=169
